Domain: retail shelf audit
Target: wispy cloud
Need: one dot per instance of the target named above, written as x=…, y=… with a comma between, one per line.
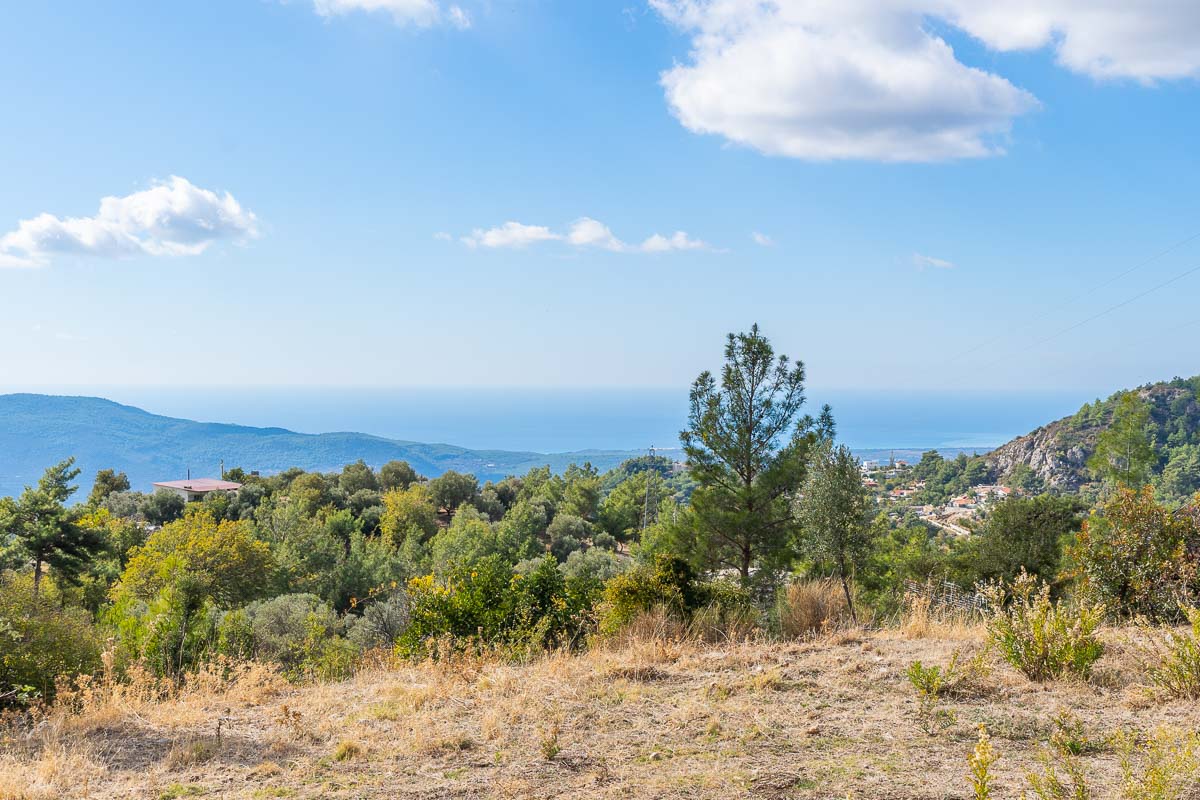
x=762, y=239
x=419, y=13
x=172, y=218
x=924, y=262
x=583, y=233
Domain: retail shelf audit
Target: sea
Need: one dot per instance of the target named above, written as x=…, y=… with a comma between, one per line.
x=566, y=420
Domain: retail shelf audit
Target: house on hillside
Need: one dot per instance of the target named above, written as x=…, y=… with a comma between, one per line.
x=194, y=489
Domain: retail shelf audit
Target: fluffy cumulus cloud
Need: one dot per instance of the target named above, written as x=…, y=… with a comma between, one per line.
x=421, y=13
x=870, y=79
x=583, y=233
x=171, y=218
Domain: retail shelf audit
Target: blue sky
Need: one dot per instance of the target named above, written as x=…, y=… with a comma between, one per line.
x=316, y=192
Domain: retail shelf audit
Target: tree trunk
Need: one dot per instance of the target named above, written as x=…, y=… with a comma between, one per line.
x=37, y=576
x=849, y=599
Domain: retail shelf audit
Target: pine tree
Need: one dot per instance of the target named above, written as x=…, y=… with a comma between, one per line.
x=48, y=534
x=749, y=454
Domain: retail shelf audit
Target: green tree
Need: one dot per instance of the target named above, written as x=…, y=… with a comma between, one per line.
x=834, y=513
x=451, y=489
x=1124, y=453
x=46, y=532
x=162, y=507
x=107, y=481
x=1020, y=534
x=356, y=477
x=397, y=475
x=749, y=455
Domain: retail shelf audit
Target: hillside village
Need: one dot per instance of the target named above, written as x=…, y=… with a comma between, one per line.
x=899, y=493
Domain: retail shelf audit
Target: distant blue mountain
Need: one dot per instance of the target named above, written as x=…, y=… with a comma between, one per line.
x=39, y=430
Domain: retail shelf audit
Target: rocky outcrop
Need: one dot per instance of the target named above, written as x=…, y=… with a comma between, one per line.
x=1056, y=456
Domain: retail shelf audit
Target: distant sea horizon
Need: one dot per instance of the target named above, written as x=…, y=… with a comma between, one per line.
x=565, y=420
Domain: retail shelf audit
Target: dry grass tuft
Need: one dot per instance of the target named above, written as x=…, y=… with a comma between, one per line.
x=812, y=607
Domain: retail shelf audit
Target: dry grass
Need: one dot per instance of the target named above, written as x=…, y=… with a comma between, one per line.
x=812, y=607
x=826, y=717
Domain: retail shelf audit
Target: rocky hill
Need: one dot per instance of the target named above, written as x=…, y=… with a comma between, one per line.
x=1056, y=454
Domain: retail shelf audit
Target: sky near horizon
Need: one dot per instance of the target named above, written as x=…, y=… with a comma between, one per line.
x=905, y=194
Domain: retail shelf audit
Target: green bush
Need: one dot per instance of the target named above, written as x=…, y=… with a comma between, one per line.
x=487, y=603
x=1178, y=671
x=41, y=641
x=669, y=585
x=1044, y=639
x=300, y=632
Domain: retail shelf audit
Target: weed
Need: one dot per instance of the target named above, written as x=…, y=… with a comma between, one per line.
x=347, y=750
x=549, y=743
x=980, y=762
x=1177, y=672
x=1043, y=639
x=929, y=683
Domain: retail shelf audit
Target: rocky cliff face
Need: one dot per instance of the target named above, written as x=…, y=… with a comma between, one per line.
x=1056, y=456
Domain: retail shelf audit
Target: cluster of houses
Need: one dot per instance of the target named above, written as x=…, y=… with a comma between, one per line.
x=950, y=516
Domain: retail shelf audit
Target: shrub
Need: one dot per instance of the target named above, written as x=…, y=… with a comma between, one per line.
x=1041, y=638
x=809, y=607
x=980, y=762
x=297, y=631
x=486, y=603
x=1133, y=555
x=668, y=583
x=381, y=622
x=41, y=641
x=1177, y=673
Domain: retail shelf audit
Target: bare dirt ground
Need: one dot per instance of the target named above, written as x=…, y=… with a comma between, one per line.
x=830, y=718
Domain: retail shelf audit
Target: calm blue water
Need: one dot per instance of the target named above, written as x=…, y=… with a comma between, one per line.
x=558, y=420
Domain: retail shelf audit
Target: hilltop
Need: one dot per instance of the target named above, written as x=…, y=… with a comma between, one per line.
x=1057, y=453
x=37, y=430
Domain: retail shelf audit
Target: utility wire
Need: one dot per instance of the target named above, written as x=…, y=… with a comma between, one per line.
x=1088, y=293
x=1097, y=316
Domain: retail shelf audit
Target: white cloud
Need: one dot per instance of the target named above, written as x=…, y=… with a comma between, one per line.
x=172, y=218
x=585, y=232
x=420, y=13
x=922, y=261
x=1146, y=40
x=510, y=234
x=676, y=241
x=762, y=239
x=868, y=79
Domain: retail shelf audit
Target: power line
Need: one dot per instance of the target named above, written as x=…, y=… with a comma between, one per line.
x=1050, y=312
x=1095, y=317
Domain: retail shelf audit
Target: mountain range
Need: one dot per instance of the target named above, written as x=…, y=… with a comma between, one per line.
x=38, y=430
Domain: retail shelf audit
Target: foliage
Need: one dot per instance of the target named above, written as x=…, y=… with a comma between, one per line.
x=1019, y=534
x=41, y=641
x=980, y=762
x=107, y=481
x=668, y=585
x=292, y=630
x=749, y=454
x=1133, y=555
x=834, y=514
x=45, y=531
x=1044, y=639
x=487, y=603
x=1177, y=671
x=1124, y=454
